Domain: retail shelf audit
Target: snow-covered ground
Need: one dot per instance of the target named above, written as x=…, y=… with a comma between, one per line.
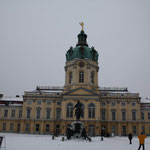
x=45, y=142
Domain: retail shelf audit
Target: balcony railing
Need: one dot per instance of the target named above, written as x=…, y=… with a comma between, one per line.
x=119, y=89
x=50, y=88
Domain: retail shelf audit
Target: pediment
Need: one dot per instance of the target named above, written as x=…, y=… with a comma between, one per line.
x=80, y=92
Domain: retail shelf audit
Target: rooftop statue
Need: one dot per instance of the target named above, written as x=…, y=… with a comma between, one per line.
x=82, y=24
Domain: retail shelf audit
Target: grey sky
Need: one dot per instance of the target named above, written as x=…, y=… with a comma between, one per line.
x=35, y=35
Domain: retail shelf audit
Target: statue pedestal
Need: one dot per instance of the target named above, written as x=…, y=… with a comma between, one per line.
x=77, y=128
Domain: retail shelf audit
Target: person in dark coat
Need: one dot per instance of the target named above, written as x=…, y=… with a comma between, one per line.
x=69, y=133
x=130, y=138
x=83, y=134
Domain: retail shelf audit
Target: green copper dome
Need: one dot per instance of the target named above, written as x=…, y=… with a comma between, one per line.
x=82, y=51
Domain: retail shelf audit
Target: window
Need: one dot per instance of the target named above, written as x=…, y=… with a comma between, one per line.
x=5, y=113
x=13, y=113
x=113, y=113
x=134, y=115
x=59, y=103
x=57, y=129
x=148, y=115
x=48, y=102
x=103, y=114
x=70, y=77
x=69, y=110
x=38, y=112
x=48, y=113
x=27, y=127
x=114, y=130
x=113, y=103
x=47, y=128
x=92, y=77
x=58, y=113
x=133, y=104
x=37, y=127
x=20, y=114
x=143, y=129
x=11, y=126
x=29, y=102
x=81, y=76
x=103, y=104
x=123, y=115
x=91, y=130
x=28, y=112
x=39, y=102
x=91, y=109
x=18, y=127
x=123, y=130
x=4, y=127
x=134, y=129
x=142, y=115
x=123, y=104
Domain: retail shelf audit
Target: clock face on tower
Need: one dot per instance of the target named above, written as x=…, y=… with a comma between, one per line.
x=81, y=64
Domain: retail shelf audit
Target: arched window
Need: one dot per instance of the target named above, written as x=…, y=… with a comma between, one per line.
x=123, y=115
x=91, y=109
x=38, y=112
x=92, y=77
x=103, y=114
x=113, y=114
x=91, y=130
x=70, y=77
x=81, y=76
x=69, y=112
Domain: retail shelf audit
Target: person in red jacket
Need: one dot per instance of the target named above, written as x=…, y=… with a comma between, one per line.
x=141, y=140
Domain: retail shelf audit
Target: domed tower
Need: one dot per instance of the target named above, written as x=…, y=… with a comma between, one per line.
x=81, y=69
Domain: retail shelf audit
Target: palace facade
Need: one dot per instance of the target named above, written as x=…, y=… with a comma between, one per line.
x=49, y=109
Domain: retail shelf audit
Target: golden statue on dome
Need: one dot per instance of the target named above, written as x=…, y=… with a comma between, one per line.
x=82, y=24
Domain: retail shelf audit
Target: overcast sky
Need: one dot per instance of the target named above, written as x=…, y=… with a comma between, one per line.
x=35, y=35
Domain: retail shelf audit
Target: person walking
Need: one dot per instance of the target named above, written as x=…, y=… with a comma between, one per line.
x=130, y=138
x=141, y=137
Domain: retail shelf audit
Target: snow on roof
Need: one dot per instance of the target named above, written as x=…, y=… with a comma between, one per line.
x=18, y=99
x=15, y=104
x=52, y=91
x=121, y=92
x=146, y=100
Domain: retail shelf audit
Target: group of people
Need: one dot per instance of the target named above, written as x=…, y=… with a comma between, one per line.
x=141, y=138
x=78, y=114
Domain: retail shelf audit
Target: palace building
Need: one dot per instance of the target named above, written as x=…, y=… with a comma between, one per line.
x=49, y=109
